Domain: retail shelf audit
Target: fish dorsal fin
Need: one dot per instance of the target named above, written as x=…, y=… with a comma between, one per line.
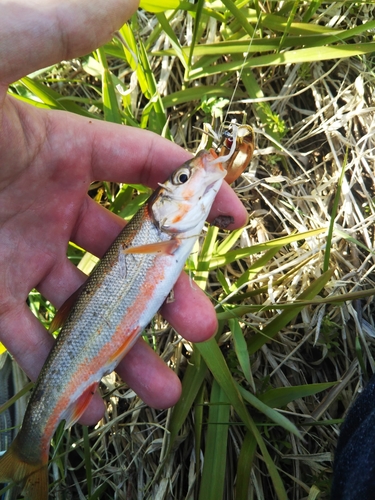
x=164, y=247
x=64, y=311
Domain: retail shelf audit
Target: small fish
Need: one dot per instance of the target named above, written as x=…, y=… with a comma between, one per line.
x=115, y=304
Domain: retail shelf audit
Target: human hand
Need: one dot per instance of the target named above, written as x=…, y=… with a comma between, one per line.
x=48, y=160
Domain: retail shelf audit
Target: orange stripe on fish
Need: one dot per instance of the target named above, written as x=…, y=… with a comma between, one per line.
x=167, y=247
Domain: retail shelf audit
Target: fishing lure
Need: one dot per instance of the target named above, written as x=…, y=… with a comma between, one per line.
x=245, y=145
x=244, y=139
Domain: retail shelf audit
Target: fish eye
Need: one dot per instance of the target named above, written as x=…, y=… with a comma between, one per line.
x=181, y=176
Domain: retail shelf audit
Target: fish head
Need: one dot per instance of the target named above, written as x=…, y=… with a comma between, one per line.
x=183, y=202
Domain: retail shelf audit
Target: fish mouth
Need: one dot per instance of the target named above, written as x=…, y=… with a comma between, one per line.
x=210, y=186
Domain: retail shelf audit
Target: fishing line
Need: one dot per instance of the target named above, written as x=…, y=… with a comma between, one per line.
x=227, y=157
x=241, y=71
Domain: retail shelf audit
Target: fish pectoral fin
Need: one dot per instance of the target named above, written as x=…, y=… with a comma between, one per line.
x=32, y=477
x=64, y=311
x=165, y=247
x=76, y=409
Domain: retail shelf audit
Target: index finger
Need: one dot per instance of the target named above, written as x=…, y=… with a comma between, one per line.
x=110, y=152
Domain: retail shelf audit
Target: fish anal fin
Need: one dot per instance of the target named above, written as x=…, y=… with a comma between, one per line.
x=64, y=311
x=125, y=346
x=164, y=247
x=76, y=409
x=32, y=477
x=36, y=486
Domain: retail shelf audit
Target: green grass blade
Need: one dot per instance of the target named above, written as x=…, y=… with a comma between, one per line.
x=275, y=22
x=111, y=109
x=99, y=492
x=240, y=348
x=263, y=109
x=272, y=470
x=256, y=45
x=192, y=381
x=254, y=269
x=198, y=427
x=173, y=38
x=282, y=396
x=312, y=8
x=203, y=268
x=269, y=412
x=271, y=330
x=196, y=93
x=240, y=16
x=46, y=95
x=197, y=25
x=87, y=457
x=14, y=398
x=314, y=493
x=335, y=206
x=219, y=260
x=158, y=6
x=133, y=206
x=123, y=197
x=223, y=282
x=286, y=30
x=238, y=311
x=229, y=241
x=215, y=455
x=216, y=363
x=132, y=56
x=245, y=463
x=50, y=98
x=29, y=101
x=341, y=51
x=154, y=116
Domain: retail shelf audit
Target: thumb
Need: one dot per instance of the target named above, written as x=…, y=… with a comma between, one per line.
x=38, y=33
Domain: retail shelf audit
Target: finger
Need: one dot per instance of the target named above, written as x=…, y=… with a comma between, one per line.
x=96, y=228
x=191, y=313
x=61, y=282
x=49, y=31
x=36, y=343
x=156, y=384
x=227, y=204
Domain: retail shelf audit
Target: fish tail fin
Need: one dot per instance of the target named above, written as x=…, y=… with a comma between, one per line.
x=33, y=477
